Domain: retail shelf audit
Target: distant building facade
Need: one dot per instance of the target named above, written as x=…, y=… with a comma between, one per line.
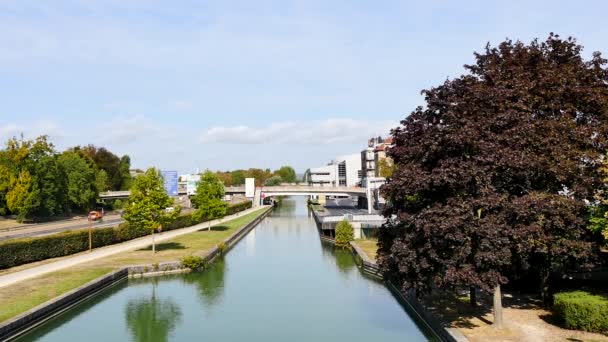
x=373, y=156
x=343, y=171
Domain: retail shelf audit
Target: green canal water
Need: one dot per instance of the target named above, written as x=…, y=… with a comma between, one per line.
x=280, y=283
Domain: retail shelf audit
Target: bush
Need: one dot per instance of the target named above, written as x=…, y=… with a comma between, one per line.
x=22, y=251
x=193, y=262
x=582, y=311
x=344, y=234
x=221, y=248
x=238, y=207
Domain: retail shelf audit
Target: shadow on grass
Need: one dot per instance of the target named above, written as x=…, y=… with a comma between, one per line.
x=164, y=246
x=214, y=228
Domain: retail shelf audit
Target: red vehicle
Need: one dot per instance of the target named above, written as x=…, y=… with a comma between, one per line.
x=95, y=215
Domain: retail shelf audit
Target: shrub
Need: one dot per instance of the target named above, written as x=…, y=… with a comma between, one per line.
x=582, y=311
x=193, y=262
x=221, y=248
x=344, y=234
x=238, y=207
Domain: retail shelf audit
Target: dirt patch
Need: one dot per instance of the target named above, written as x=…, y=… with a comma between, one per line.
x=524, y=319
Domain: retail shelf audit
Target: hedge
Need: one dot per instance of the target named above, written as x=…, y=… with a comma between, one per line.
x=22, y=251
x=582, y=311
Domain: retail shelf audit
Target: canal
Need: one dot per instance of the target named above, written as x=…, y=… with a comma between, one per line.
x=280, y=283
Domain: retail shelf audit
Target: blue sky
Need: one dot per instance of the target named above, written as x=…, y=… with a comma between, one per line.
x=238, y=84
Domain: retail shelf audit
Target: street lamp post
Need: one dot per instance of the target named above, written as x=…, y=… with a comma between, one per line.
x=90, y=235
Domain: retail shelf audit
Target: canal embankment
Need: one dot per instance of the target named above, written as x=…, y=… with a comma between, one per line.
x=369, y=267
x=202, y=243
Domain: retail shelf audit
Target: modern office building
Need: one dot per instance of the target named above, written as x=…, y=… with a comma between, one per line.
x=342, y=171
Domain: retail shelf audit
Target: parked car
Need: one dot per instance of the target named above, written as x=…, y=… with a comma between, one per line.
x=95, y=215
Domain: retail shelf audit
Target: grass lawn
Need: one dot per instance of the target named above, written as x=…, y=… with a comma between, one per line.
x=369, y=246
x=28, y=294
x=20, y=297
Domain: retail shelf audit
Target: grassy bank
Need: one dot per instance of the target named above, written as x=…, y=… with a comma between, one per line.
x=369, y=246
x=20, y=297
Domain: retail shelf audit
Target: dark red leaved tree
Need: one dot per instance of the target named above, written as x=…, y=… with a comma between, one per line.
x=492, y=175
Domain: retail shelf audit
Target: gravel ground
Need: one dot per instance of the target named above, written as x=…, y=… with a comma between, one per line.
x=525, y=320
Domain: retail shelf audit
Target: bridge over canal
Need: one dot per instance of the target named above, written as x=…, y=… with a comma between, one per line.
x=279, y=190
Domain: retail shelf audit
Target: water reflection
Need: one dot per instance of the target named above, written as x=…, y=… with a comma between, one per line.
x=286, y=207
x=210, y=283
x=343, y=257
x=153, y=318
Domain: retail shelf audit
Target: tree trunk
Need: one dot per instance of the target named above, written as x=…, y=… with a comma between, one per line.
x=544, y=288
x=497, y=307
x=209, y=228
x=153, y=245
x=473, y=296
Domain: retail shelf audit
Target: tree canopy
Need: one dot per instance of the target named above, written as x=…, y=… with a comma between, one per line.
x=208, y=199
x=147, y=204
x=82, y=188
x=37, y=181
x=287, y=174
x=492, y=177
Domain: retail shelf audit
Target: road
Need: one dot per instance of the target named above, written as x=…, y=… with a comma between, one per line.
x=57, y=227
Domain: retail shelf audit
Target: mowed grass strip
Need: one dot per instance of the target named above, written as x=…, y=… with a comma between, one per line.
x=18, y=298
x=21, y=297
x=369, y=246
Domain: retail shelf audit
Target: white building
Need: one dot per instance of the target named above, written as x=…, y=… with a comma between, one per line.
x=323, y=176
x=189, y=181
x=343, y=171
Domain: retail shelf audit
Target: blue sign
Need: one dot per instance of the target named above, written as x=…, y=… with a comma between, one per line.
x=170, y=182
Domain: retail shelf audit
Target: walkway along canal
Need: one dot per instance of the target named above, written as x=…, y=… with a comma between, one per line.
x=280, y=283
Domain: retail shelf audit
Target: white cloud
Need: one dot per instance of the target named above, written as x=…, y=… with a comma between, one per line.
x=328, y=131
x=127, y=129
x=31, y=130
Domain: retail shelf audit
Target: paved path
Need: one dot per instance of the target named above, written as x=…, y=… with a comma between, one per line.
x=143, y=242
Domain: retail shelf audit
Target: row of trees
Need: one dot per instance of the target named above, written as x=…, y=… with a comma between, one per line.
x=149, y=207
x=286, y=174
x=38, y=181
x=497, y=178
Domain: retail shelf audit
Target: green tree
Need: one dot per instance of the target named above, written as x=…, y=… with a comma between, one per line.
x=102, y=183
x=208, y=199
x=344, y=234
x=273, y=181
x=32, y=167
x=5, y=183
x=81, y=182
x=50, y=179
x=125, y=174
x=287, y=173
x=238, y=177
x=148, y=203
x=23, y=198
